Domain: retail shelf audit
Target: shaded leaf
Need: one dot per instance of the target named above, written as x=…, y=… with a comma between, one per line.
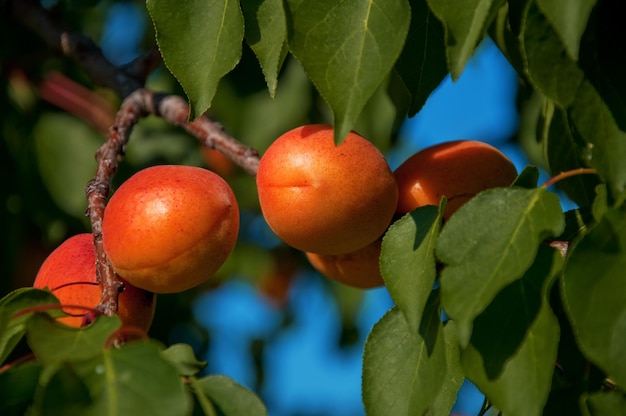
x=528, y=178
x=514, y=342
x=568, y=22
x=407, y=261
x=465, y=24
x=347, y=50
x=17, y=388
x=61, y=143
x=604, y=403
x=229, y=397
x=564, y=153
x=553, y=73
x=64, y=393
x=400, y=377
x=184, y=359
x=12, y=329
x=266, y=33
x=200, y=42
x=593, y=291
x=52, y=341
x=422, y=64
x=490, y=242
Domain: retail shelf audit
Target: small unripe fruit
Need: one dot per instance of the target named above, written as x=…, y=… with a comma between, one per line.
x=70, y=273
x=359, y=268
x=323, y=198
x=169, y=228
x=458, y=169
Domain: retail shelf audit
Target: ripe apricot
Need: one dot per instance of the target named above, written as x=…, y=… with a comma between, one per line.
x=458, y=169
x=70, y=273
x=169, y=228
x=323, y=198
x=359, y=268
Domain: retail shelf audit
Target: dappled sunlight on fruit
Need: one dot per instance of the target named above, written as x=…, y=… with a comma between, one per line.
x=70, y=273
x=170, y=228
x=323, y=198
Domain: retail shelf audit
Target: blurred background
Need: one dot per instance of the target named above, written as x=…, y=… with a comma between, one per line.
x=266, y=319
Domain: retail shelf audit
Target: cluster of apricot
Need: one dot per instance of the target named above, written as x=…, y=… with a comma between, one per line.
x=166, y=229
x=336, y=202
x=169, y=228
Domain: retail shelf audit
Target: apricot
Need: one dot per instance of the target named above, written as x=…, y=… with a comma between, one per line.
x=322, y=198
x=458, y=169
x=170, y=228
x=358, y=269
x=70, y=273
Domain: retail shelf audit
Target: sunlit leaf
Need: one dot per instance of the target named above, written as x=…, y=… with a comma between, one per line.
x=266, y=33
x=127, y=380
x=200, y=42
x=569, y=22
x=52, y=341
x=514, y=342
x=184, y=359
x=407, y=261
x=228, y=397
x=347, y=49
x=490, y=242
x=447, y=396
x=465, y=24
x=593, y=289
x=402, y=375
x=422, y=64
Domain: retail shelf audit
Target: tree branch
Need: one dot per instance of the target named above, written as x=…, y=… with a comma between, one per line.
x=138, y=102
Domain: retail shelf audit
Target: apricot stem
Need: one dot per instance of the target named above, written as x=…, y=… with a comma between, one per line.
x=568, y=174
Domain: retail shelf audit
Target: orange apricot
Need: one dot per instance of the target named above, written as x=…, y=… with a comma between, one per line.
x=170, y=228
x=325, y=198
x=70, y=273
x=359, y=268
x=458, y=169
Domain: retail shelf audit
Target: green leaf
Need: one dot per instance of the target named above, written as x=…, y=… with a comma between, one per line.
x=12, y=329
x=490, y=242
x=266, y=33
x=568, y=22
x=64, y=393
x=61, y=143
x=400, y=376
x=228, y=397
x=593, y=291
x=52, y=342
x=553, y=73
x=514, y=343
x=17, y=388
x=528, y=178
x=130, y=379
x=454, y=376
x=200, y=41
x=347, y=50
x=465, y=24
x=422, y=64
x=604, y=403
x=564, y=153
x=184, y=359
x=407, y=261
